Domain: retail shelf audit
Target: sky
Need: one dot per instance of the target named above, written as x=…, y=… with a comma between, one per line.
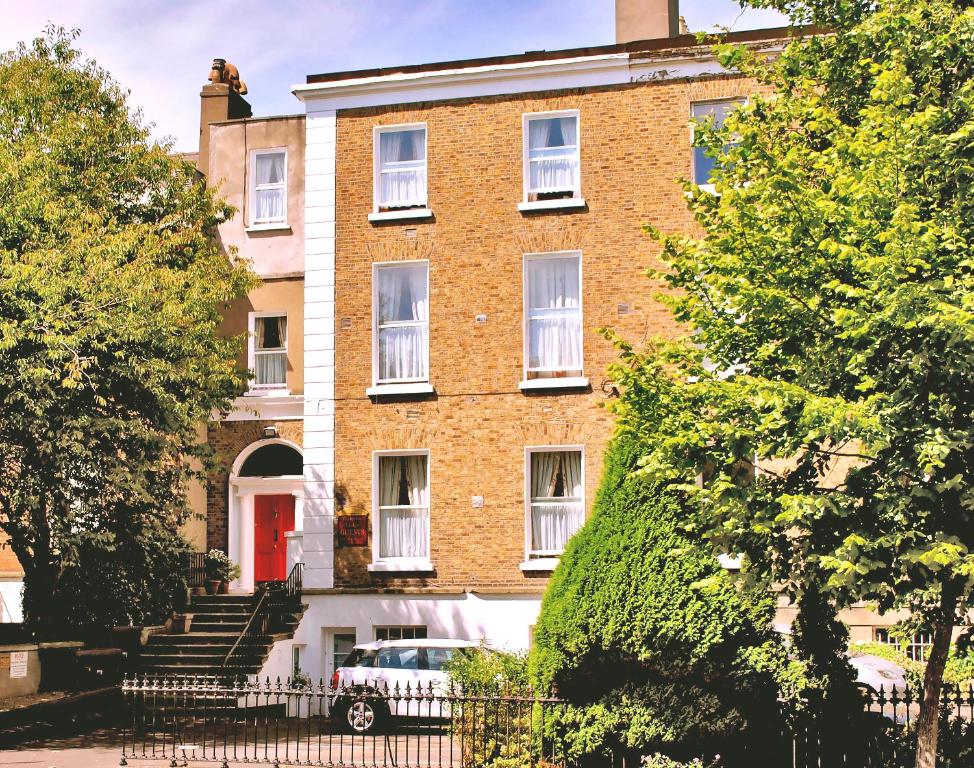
x=161, y=50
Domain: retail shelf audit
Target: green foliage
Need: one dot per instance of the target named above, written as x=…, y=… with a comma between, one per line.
x=655, y=646
x=110, y=294
x=829, y=310
x=819, y=643
x=485, y=679
x=489, y=671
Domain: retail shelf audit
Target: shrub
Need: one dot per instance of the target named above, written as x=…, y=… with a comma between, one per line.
x=656, y=647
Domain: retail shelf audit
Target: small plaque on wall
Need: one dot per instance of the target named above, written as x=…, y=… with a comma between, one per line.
x=352, y=530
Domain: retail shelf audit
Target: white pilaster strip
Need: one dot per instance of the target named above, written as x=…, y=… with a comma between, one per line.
x=319, y=346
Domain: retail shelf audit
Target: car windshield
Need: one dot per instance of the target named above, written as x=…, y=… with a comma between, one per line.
x=359, y=657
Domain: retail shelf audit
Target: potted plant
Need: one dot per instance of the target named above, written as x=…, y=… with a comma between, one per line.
x=218, y=570
x=232, y=575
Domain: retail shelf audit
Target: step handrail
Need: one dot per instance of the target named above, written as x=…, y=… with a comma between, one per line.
x=290, y=588
x=258, y=611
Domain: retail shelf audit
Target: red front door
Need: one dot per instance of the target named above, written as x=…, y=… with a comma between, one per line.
x=273, y=517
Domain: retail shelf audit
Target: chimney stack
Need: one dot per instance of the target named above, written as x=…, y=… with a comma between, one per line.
x=221, y=99
x=646, y=19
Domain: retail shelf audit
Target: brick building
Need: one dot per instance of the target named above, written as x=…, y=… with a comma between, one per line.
x=425, y=431
x=469, y=226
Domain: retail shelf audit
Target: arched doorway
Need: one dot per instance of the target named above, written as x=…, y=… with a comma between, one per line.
x=266, y=507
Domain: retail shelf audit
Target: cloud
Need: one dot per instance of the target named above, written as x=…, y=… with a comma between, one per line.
x=161, y=50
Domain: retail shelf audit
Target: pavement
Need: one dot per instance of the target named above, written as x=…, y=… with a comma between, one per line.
x=100, y=749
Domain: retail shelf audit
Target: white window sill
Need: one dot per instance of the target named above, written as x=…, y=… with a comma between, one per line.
x=413, y=388
x=268, y=228
x=569, y=382
x=414, y=565
x=405, y=213
x=542, y=564
x=552, y=205
x=269, y=392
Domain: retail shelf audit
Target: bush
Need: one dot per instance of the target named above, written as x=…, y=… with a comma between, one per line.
x=656, y=647
x=492, y=732
x=115, y=579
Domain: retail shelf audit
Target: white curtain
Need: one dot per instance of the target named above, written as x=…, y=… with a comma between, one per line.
x=553, y=154
x=403, y=320
x=402, y=168
x=271, y=367
x=271, y=199
x=554, y=315
x=403, y=517
x=555, y=475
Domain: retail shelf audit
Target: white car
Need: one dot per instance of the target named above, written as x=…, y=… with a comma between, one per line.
x=391, y=679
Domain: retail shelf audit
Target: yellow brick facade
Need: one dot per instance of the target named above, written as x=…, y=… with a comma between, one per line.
x=635, y=144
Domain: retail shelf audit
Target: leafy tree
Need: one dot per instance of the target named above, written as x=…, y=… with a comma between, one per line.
x=110, y=293
x=828, y=306
x=651, y=641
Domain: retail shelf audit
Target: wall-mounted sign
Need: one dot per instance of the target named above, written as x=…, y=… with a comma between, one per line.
x=352, y=530
x=18, y=664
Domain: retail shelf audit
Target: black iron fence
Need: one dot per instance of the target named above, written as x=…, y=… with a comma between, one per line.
x=188, y=720
x=198, y=719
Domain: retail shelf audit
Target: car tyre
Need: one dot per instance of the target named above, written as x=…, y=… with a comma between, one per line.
x=364, y=715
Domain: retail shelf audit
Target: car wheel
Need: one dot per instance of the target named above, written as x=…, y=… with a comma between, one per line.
x=364, y=716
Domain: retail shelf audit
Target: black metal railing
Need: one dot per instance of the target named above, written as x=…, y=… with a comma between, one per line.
x=239, y=722
x=250, y=642
x=273, y=601
x=209, y=719
x=294, y=582
x=196, y=570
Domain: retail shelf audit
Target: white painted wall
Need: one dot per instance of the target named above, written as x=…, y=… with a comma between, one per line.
x=503, y=620
x=12, y=605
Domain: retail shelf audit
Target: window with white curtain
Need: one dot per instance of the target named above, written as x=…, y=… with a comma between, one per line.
x=400, y=167
x=710, y=112
x=268, y=200
x=553, y=315
x=401, y=313
x=552, y=167
x=401, y=529
x=556, y=507
x=268, y=358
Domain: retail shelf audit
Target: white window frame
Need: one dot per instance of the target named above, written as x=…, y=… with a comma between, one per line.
x=266, y=389
x=742, y=100
x=534, y=561
x=254, y=224
x=400, y=627
x=398, y=386
x=399, y=564
x=565, y=382
x=576, y=200
x=421, y=210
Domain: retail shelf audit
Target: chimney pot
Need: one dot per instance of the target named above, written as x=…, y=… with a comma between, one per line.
x=646, y=19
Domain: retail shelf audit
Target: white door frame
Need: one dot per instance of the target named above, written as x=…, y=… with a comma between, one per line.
x=240, y=509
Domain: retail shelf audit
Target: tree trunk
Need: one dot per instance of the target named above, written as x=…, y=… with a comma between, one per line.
x=933, y=678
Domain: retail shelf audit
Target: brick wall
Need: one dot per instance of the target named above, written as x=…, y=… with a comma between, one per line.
x=228, y=439
x=9, y=565
x=635, y=142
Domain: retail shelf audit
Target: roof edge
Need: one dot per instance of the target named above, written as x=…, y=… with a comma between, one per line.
x=636, y=46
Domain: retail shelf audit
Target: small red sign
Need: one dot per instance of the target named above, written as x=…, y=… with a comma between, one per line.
x=352, y=530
